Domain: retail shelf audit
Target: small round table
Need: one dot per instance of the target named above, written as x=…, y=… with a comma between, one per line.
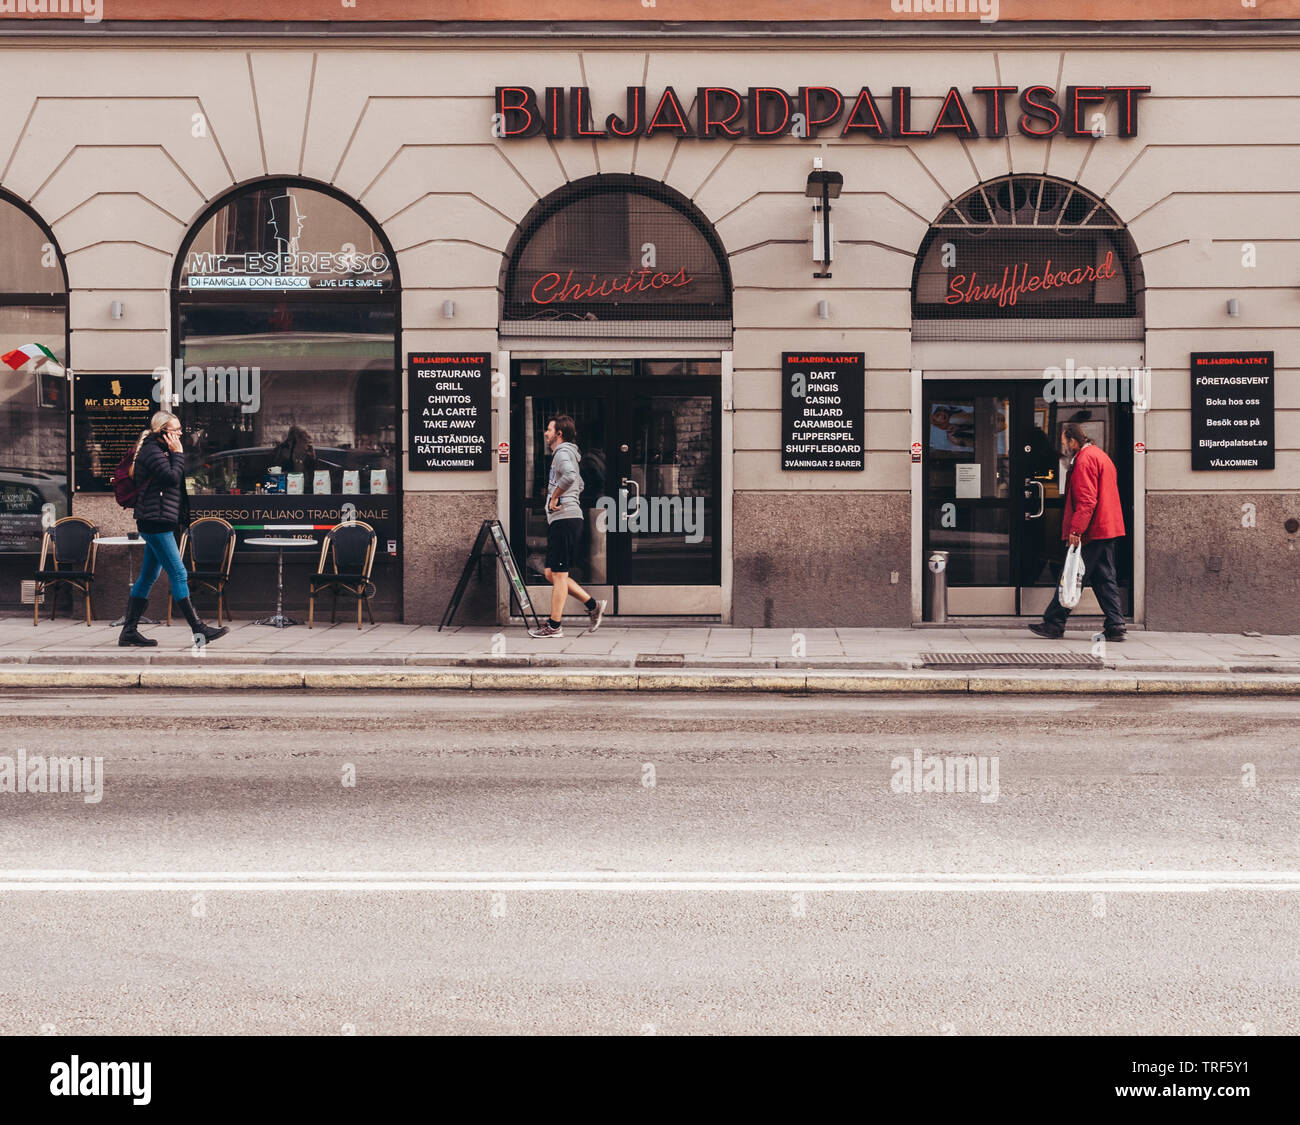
x=125, y=541
x=280, y=620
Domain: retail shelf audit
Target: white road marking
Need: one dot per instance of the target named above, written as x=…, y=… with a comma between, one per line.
x=1127, y=882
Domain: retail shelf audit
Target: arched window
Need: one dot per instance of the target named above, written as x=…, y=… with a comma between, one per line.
x=33, y=387
x=1027, y=257
x=298, y=286
x=616, y=248
x=286, y=312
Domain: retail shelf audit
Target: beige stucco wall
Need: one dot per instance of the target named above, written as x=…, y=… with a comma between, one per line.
x=108, y=144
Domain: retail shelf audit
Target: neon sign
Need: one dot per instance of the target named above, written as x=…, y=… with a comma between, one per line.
x=1017, y=280
x=768, y=111
x=551, y=287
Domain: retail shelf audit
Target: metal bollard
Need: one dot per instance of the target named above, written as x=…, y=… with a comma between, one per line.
x=936, y=587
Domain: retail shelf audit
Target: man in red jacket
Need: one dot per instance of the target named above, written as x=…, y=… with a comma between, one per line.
x=1093, y=519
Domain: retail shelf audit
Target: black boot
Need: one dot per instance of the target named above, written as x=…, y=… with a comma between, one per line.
x=207, y=632
x=130, y=634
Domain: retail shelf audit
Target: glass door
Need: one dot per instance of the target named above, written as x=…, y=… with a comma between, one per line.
x=649, y=433
x=1043, y=470
x=972, y=507
x=994, y=499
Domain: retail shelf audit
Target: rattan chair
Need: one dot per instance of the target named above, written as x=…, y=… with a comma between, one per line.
x=68, y=553
x=347, y=555
x=208, y=550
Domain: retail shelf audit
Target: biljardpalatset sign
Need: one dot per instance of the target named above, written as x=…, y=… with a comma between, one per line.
x=766, y=112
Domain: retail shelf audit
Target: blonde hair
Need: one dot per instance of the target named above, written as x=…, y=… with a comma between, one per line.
x=157, y=424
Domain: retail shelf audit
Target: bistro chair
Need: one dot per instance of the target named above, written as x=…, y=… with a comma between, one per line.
x=68, y=551
x=208, y=550
x=346, y=558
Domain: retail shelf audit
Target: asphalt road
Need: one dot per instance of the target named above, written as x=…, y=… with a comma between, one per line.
x=333, y=864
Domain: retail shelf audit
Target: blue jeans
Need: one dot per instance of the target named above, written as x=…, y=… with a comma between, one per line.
x=161, y=553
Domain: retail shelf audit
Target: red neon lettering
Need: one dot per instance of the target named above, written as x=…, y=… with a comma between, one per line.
x=526, y=104
x=811, y=98
x=962, y=127
x=1017, y=280
x=549, y=288
x=870, y=123
x=711, y=126
x=995, y=100
x=635, y=101
x=757, y=96
x=677, y=124
x=1043, y=109
x=1128, y=117
x=902, y=107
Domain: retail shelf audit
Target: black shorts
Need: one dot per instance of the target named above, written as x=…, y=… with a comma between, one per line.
x=562, y=540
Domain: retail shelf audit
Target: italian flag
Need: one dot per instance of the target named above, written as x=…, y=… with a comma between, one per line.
x=19, y=356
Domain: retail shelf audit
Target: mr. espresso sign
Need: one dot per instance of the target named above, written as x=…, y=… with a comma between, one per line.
x=767, y=112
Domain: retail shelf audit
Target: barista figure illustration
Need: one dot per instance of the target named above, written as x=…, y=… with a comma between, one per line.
x=286, y=223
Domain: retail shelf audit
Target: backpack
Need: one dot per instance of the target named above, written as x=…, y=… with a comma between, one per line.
x=124, y=486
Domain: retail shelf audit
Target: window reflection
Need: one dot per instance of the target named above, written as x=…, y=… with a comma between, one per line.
x=287, y=293
x=34, y=397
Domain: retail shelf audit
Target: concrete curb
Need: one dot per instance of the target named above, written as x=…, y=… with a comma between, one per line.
x=384, y=678
x=185, y=659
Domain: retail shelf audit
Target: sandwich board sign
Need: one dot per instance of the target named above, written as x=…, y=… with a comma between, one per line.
x=491, y=540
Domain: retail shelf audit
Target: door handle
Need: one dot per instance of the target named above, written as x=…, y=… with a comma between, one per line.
x=637, y=506
x=1042, y=501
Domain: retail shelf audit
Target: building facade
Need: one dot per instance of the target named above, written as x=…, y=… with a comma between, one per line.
x=819, y=293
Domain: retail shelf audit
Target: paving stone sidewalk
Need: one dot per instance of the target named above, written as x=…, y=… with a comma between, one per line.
x=64, y=643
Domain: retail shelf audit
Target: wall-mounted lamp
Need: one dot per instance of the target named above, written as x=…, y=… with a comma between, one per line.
x=449, y=310
x=1234, y=307
x=823, y=310
x=116, y=310
x=823, y=186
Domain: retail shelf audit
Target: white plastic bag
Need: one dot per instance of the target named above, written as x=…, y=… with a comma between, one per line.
x=1070, y=589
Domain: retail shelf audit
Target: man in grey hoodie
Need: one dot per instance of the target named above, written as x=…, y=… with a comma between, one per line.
x=564, y=524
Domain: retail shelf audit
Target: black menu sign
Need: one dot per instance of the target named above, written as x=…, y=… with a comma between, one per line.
x=449, y=415
x=822, y=402
x=1232, y=410
x=110, y=412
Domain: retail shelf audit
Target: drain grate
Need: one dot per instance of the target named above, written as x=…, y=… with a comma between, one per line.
x=660, y=660
x=1011, y=660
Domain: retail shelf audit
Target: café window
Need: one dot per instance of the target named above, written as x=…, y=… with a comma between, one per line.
x=1027, y=257
x=616, y=249
x=33, y=386
x=286, y=309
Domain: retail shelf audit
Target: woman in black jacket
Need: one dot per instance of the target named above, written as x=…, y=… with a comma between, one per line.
x=161, y=508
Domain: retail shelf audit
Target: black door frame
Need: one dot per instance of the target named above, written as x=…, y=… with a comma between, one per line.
x=619, y=392
x=1022, y=393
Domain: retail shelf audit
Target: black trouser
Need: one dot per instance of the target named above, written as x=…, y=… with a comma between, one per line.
x=1099, y=573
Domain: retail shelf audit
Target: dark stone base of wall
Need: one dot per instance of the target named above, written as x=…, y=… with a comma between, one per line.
x=1206, y=573
x=821, y=559
x=439, y=529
